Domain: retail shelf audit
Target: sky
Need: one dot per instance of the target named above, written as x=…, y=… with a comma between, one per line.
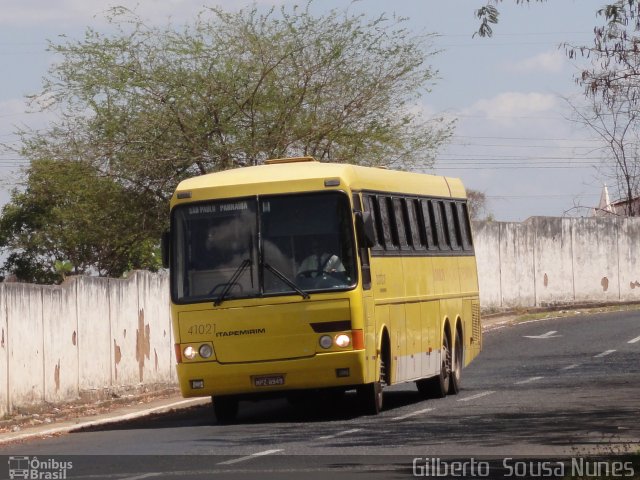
x=515, y=139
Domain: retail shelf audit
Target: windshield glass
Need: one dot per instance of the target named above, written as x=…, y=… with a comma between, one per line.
x=212, y=242
x=306, y=245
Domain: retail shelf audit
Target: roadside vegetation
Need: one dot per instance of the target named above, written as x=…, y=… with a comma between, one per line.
x=142, y=107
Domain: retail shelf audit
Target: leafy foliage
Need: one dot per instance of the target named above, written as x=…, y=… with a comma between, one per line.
x=71, y=219
x=478, y=208
x=611, y=83
x=490, y=15
x=144, y=107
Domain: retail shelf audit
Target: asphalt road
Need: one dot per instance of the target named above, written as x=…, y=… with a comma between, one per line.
x=550, y=389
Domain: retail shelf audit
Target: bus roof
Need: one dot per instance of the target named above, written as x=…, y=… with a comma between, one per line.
x=305, y=174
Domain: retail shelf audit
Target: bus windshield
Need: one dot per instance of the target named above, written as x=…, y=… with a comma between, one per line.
x=258, y=246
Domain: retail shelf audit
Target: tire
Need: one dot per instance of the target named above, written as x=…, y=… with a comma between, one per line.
x=456, y=365
x=438, y=386
x=370, y=395
x=225, y=408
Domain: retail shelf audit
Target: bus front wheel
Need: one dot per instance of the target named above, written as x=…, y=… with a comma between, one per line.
x=225, y=408
x=370, y=395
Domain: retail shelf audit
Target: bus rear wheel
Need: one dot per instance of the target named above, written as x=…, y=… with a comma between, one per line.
x=455, y=379
x=225, y=408
x=438, y=386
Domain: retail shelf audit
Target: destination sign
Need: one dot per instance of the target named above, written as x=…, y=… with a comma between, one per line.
x=219, y=208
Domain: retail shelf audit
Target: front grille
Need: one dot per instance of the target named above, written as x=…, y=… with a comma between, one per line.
x=475, y=323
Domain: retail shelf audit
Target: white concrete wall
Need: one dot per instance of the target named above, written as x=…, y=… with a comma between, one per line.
x=87, y=335
x=550, y=261
x=553, y=249
x=158, y=359
x=595, y=259
x=516, y=264
x=94, y=333
x=97, y=334
x=486, y=243
x=123, y=298
x=4, y=355
x=60, y=326
x=25, y=362
x=629, y=259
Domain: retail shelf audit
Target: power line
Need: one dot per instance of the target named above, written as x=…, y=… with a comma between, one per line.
x=515, y=167
x=490, y=137
x=481, y=157
x=515, y=34
x=501, y=145
x=558, y=195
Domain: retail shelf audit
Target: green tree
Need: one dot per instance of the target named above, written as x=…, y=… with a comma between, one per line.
x=478, y=208
x=70, y=219
x=145, y=107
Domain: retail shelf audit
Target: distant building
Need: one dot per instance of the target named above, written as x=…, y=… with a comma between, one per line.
x=619, y=208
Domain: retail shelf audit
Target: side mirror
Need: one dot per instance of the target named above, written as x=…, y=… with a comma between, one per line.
x=364, y=230
x=165, y=247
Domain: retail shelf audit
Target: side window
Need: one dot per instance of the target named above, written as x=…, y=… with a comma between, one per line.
x=430, y=226
x=371, y=206
x=388, y=224
x=442, y=230
x=453, y=224
x=416, y=222
x=402, y=226
x=465, y=225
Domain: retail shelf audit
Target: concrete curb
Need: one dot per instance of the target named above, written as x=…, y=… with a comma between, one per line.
x=104, y=419
x=504, y=319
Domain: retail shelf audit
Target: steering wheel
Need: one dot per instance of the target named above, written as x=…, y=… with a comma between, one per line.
x=307, y=273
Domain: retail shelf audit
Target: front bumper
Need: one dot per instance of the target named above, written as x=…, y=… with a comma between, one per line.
x=319, y=371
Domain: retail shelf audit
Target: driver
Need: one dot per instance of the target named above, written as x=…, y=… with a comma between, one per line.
x=320, y=262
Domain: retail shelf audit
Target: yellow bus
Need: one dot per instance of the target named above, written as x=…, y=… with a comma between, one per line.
x=298, y=276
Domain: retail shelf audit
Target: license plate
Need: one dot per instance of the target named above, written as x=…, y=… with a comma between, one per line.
x=268, y=380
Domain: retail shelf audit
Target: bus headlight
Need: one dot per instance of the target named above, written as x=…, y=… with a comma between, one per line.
x=343, y=340
x=189, y=352
x=205, y=350
x=326, y=341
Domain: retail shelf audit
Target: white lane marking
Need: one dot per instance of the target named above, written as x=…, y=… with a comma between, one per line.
x=249, y=457
x=549, y=334
x=479, y=395
x=412, y=414
x=146, y=475
x=604, y=354
x=528, y=380
x=571, y=367
x=635, y=340
x=339, y=434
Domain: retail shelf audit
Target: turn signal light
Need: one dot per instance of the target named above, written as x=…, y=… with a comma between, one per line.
x=358, y=339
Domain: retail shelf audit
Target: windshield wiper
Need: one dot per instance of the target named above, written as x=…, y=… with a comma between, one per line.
x=282, y=277
x=233, y=281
